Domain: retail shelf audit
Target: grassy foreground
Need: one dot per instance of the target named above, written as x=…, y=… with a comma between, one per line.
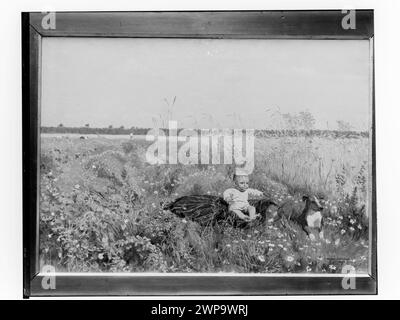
x=100, y=208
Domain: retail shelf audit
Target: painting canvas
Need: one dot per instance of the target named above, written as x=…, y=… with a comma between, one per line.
x=228, y=156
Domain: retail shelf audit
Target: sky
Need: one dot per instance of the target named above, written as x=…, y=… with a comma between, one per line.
x=204, y=83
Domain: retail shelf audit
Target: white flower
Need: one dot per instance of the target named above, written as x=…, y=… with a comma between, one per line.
x=155, y=192
x=184, y=220
x=228, y=245
x=351, y=229
x=332, y=267
x=261, y=258
x=308, y=269
x=290, y=258
x=359, y=226
x=352, y=221
x=100, y=256
x=342, y=231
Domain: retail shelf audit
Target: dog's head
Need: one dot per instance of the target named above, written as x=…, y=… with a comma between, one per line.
x=313, y=203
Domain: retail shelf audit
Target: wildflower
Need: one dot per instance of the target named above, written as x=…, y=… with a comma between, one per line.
x=280, y=245
x=271, y=245
x=289, y=258
x=52, y=214
x=93, y=166
x=156, y=192
x=60, y=255
x=256, y=231
x=77, y=186
x=249, y=236
x=351, y=229
x=352, y=221
x=184, y=220
x=172, y=184
x=342, y=231
x=261, y=258
x=50, y=235
x=100, y=256
x=235, y=241
x=308, y=269
x=359, y=226
x=328, y=241
x=228, y=245
x=332, y=267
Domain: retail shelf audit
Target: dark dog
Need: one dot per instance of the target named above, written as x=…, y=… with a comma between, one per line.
x=309, y=217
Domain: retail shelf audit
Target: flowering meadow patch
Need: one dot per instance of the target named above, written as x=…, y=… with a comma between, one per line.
x=101, y=209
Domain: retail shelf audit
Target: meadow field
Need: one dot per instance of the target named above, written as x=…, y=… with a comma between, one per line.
x=101, y=208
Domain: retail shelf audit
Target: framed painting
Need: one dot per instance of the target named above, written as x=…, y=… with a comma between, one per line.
x=199, y=153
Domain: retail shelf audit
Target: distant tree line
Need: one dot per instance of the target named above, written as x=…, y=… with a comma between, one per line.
x=110, y=130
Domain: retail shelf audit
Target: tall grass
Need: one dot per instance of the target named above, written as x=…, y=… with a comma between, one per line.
x=101, y=208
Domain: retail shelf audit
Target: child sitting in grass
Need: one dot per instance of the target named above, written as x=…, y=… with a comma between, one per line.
x=238, y=196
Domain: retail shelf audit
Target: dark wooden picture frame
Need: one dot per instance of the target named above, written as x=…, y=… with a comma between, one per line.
x=223, y=24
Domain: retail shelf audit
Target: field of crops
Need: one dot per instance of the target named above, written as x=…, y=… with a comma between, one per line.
x=101, y=208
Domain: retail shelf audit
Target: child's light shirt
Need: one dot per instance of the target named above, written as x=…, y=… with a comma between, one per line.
x=238, y=200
